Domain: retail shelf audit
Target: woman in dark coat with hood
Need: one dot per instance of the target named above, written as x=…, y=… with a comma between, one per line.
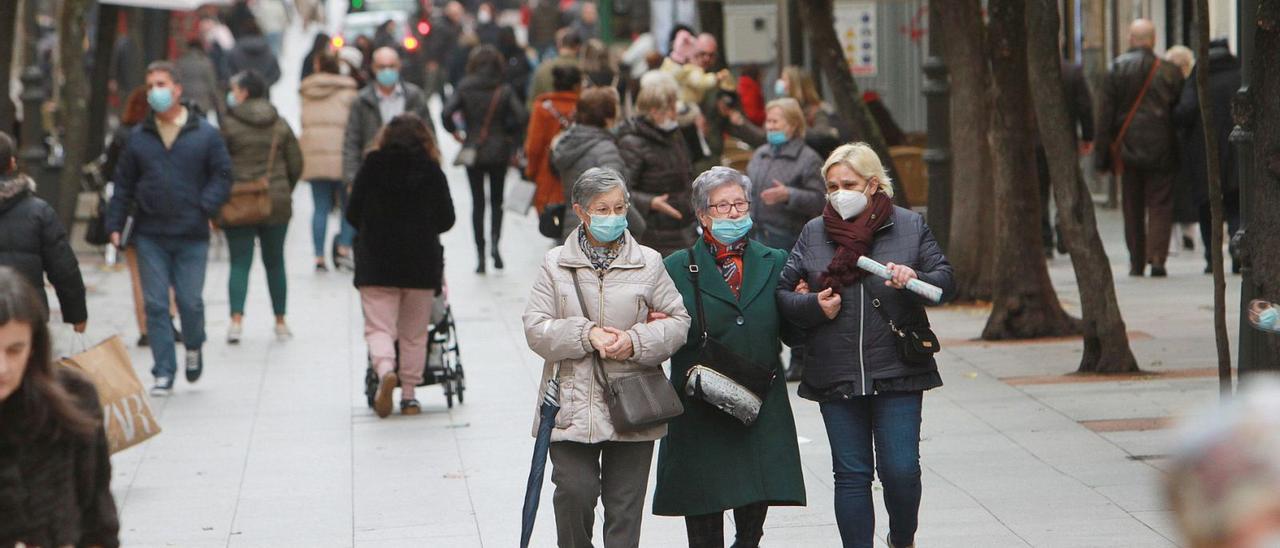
x=251, y=128
x=492, y=118
x=659, y=171
x=400, y=195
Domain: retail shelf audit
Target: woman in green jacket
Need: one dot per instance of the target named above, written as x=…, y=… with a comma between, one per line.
x=251, y=128
x=711, y=462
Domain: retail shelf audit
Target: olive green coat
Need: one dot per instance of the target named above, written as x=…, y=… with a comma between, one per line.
x=248, y=130
x=710, y=462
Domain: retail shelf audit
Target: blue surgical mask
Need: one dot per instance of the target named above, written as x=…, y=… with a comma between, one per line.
x=1267, y=319
x=728, y=231
x=776, y=138
x=779, y=88
x=388, y=77
x=607, y=228
x=160, y=99
x=231, y=100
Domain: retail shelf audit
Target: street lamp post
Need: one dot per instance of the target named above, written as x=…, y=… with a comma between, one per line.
x=1253, y=346
x=937, y=92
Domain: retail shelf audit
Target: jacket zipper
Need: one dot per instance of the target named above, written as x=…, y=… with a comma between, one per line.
x=862, y=316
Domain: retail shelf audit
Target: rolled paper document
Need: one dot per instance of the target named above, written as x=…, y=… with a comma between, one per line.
x=919, y=287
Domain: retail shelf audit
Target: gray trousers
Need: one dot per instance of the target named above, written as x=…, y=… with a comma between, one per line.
x=617, y=473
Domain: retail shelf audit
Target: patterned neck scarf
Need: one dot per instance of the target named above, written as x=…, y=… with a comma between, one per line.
x=729, y=259
x=600, y=257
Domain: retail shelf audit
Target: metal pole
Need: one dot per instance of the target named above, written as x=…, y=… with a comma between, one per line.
x=1253, y=345
x=937, y=156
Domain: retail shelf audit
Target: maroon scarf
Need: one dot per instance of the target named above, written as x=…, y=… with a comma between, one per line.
x=729, y=259
x=853, y=239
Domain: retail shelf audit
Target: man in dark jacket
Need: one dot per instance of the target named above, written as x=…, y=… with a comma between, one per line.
x=376, y=105
x=33, y=242
x=1224, y=81
x=1142, y=158
x=253, y=52
x=173, y=176
x=1080, y=114
x=446, y=30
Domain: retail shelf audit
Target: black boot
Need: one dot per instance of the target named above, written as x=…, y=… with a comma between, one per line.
x=795, y=370
x=480, y=259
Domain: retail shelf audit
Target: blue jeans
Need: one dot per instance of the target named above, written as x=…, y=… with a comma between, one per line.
x=892, y=420
x=178, y=263
x=322, y=191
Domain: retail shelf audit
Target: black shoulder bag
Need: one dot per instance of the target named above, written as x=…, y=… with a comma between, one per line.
x=916, y=344
x=721, y=377
x=635, y=402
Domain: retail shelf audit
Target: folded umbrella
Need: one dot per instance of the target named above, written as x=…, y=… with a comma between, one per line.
x=541, y=445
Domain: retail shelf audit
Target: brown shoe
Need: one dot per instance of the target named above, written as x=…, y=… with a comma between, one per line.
x=386, y=388
x=410, y=407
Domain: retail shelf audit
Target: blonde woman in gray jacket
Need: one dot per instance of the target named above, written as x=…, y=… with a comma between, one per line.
x=624, y=284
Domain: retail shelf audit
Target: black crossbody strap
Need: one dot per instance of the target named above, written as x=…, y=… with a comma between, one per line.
x=697, y=296
x=595, y=354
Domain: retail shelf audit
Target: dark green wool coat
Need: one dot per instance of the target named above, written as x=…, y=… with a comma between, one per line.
x=710, y=462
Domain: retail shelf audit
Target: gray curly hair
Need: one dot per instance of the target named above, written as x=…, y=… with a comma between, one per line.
x=714, y=178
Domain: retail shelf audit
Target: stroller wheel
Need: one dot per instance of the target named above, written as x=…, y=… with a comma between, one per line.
x=370, y=386
x=461, y=388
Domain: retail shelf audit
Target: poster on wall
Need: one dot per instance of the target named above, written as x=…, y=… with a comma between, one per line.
x=856, y=27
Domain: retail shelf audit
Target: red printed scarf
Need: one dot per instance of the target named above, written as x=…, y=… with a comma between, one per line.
x=729, y=259
x=853, y=239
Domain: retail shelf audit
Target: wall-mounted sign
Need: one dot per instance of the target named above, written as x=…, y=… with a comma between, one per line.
x=856, y=27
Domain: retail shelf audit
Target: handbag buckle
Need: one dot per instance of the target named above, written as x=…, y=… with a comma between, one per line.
x=693, y=268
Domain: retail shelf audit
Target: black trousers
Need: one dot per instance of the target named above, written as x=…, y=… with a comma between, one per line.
x=707, y=531
x=497, y=178
x=1230, y=212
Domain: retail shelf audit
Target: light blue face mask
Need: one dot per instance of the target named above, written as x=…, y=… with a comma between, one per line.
x=607, y=228
x=388, y=77
x=776, y=138
x=728, y=231
x=160, y=99
x=779, y=88
x=231, y=100
x=1267, y=319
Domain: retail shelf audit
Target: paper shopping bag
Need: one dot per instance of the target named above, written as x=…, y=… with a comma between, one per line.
x=126, y=410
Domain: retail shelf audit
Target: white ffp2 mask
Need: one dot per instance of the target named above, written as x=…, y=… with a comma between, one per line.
x=848, y=203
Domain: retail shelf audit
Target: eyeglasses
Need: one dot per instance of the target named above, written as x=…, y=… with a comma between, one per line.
x=725, y=208
x=605, y=210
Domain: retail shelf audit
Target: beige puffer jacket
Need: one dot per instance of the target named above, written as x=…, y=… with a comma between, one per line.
x=556, y=329
x=326, y=101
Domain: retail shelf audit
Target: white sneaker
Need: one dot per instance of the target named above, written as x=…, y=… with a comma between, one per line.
x=163, y=387
x=283, y=333
x=233, y=333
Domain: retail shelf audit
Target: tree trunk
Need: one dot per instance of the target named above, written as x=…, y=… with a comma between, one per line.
x=73, y=105
x=819, y=19
x=964, y=50
x=1106, y=344
x=1261, y=243
x=1025, y=305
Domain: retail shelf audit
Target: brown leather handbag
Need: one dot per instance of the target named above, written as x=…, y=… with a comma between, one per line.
x=635, y=402
x=250, y=201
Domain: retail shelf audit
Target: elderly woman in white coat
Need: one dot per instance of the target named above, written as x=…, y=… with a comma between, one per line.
x=621, y=282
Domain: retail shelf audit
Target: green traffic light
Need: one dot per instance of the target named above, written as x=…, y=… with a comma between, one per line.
x=357, y=4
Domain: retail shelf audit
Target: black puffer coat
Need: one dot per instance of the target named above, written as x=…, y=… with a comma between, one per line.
x=1224, y=81
x=1149, y=141
x=473, y=98
x=399, y=205
x=857, y=348
x=33, y=242
x=658, y=163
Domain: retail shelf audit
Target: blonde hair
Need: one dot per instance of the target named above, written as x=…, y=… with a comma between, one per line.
x=658, y=90
x=1182, y=56
x=800, y=86
x=791, y=111
x=862, y=160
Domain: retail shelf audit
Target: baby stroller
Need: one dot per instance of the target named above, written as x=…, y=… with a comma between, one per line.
x=444, y=363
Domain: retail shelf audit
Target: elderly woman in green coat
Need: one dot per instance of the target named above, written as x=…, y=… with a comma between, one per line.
x=710, y=461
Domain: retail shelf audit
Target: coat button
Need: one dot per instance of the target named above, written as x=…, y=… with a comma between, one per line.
x=740, y=320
